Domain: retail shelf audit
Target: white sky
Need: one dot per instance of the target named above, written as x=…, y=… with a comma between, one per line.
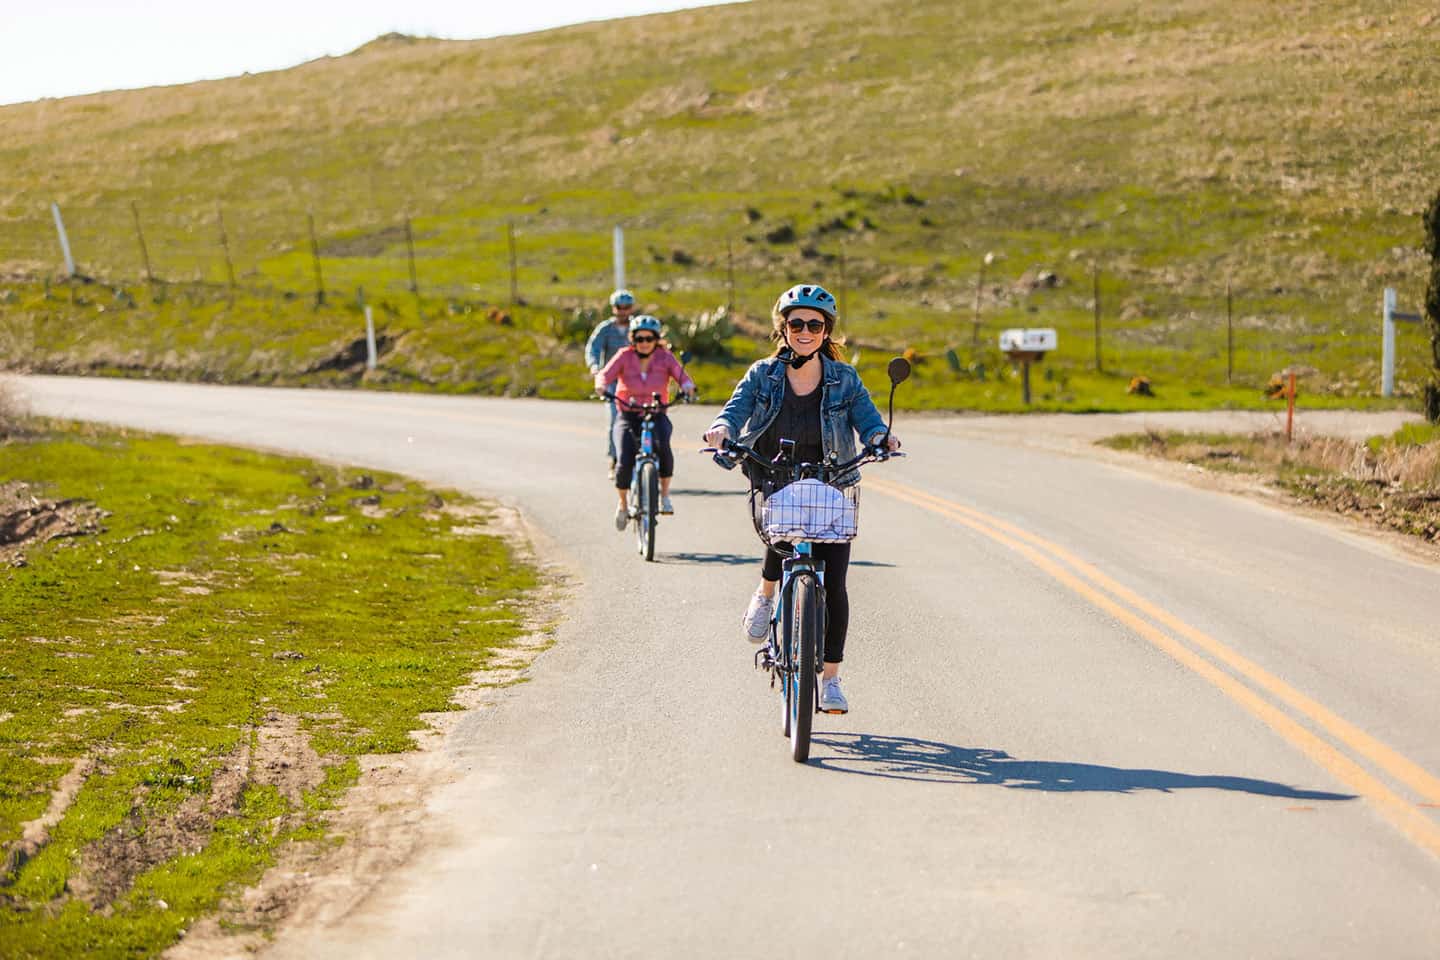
x=58, y=48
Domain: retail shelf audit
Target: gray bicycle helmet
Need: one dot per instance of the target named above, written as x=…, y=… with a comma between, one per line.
x=622, y=298
x=644, y=321
x=810, y=295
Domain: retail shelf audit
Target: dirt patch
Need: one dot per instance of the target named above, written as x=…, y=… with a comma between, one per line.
x=1412, y=512
x=28, y=520
x=381, y=818
x=278, y=754
x=36, y=834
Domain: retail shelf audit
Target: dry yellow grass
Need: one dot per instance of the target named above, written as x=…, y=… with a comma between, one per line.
x=12, y=410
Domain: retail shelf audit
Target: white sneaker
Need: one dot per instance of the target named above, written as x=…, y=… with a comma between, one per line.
x=757, y=618
x=622, y=519
x=666, y=506
x=832, y=698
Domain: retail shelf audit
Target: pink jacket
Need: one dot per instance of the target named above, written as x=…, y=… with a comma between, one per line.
x=624, y=368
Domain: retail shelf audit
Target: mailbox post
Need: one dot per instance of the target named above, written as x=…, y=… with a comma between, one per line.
x=1025, y=347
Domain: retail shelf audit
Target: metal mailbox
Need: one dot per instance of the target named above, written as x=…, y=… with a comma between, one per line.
x=1033, y=340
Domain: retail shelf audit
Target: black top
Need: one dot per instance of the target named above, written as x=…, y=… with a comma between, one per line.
x=798, y=420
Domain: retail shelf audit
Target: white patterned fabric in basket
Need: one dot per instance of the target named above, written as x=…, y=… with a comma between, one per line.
x=811, y=511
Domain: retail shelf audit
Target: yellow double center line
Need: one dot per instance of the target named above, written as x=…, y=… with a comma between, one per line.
x=1127, y=607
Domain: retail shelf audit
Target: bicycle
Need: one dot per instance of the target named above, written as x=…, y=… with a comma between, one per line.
x=798, y=504
x=645, y=480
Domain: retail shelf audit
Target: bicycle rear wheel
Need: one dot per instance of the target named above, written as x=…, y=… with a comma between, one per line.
x=806, y=620
x=647, y=510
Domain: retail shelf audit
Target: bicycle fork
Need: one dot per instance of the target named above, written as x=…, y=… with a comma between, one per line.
x=775, y=657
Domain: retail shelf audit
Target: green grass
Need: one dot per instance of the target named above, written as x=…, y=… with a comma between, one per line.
x=229, y=589
x=1410, y=435
x=1180, y=147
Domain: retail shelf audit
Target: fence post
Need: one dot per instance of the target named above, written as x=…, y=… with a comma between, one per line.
x=619, y=252
x=1095, y=288
x=1290, y=409
x=410, y=252
x=315, y=256
x=225, y=246
x=514, y=279
x=370, y=352
x=64, y=240
x=140, y=235
x=729, y=276
x=979, y=285
x=1387, y=344
x=1229, y=332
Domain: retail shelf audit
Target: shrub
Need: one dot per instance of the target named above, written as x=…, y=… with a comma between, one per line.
x=704, y=336
x=576, y=327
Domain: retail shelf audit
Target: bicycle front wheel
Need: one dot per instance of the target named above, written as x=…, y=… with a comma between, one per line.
x=647, y=510
x=807, y=618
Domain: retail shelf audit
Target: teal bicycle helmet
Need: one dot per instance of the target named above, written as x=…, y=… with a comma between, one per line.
x=644, y=321
x=622, y=298
x=810, y=295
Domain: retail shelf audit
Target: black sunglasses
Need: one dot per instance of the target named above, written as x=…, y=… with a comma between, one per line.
x=646, y=339
x=814, y=326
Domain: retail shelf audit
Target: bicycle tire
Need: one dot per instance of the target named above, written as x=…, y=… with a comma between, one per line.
x=648, y=510
x=807, y=622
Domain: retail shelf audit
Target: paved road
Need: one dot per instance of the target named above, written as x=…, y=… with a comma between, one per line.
x=1095, y=713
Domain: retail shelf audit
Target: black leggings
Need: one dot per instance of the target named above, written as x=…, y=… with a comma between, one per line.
x=837, y=600
x=627, y=444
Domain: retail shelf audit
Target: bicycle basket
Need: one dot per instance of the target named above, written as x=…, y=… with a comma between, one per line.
x=807, y=510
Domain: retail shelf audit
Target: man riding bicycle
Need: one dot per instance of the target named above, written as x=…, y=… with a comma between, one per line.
x=608, y=338
x=642, y=369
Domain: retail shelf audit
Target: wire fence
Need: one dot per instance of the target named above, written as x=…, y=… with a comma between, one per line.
x=1112, y=319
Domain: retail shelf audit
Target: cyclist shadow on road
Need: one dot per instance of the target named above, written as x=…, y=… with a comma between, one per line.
x=908, y=758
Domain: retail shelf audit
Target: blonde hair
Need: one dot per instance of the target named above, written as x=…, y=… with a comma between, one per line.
x=830, y=348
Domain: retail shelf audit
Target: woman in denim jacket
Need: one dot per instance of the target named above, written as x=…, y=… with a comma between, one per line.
x=805, y=392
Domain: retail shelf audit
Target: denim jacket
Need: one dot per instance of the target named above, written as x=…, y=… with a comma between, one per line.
x=845, y=409
x=607, y=339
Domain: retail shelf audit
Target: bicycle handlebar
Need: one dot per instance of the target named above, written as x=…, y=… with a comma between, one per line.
x=735, y=451
x=655, y=404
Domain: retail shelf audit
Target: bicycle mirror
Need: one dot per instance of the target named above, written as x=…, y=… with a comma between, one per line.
x=899, y=370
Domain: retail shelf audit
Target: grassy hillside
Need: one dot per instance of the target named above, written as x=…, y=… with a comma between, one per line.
x=883, y=147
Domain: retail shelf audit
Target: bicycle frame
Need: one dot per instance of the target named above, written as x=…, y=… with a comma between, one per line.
x=646, y=454
x=778, y=655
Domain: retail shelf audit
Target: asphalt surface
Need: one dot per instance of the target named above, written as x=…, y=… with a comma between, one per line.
x=1095, y=711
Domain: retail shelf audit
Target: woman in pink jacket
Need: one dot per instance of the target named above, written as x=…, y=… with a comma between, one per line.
x=642, y=369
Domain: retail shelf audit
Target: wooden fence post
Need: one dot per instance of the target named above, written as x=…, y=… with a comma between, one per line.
x=1229, y=332
x=225, y=247
x=410, y=250
x=315, y=256
x=140, y=235
x=1095, y=287
x=514, y=277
